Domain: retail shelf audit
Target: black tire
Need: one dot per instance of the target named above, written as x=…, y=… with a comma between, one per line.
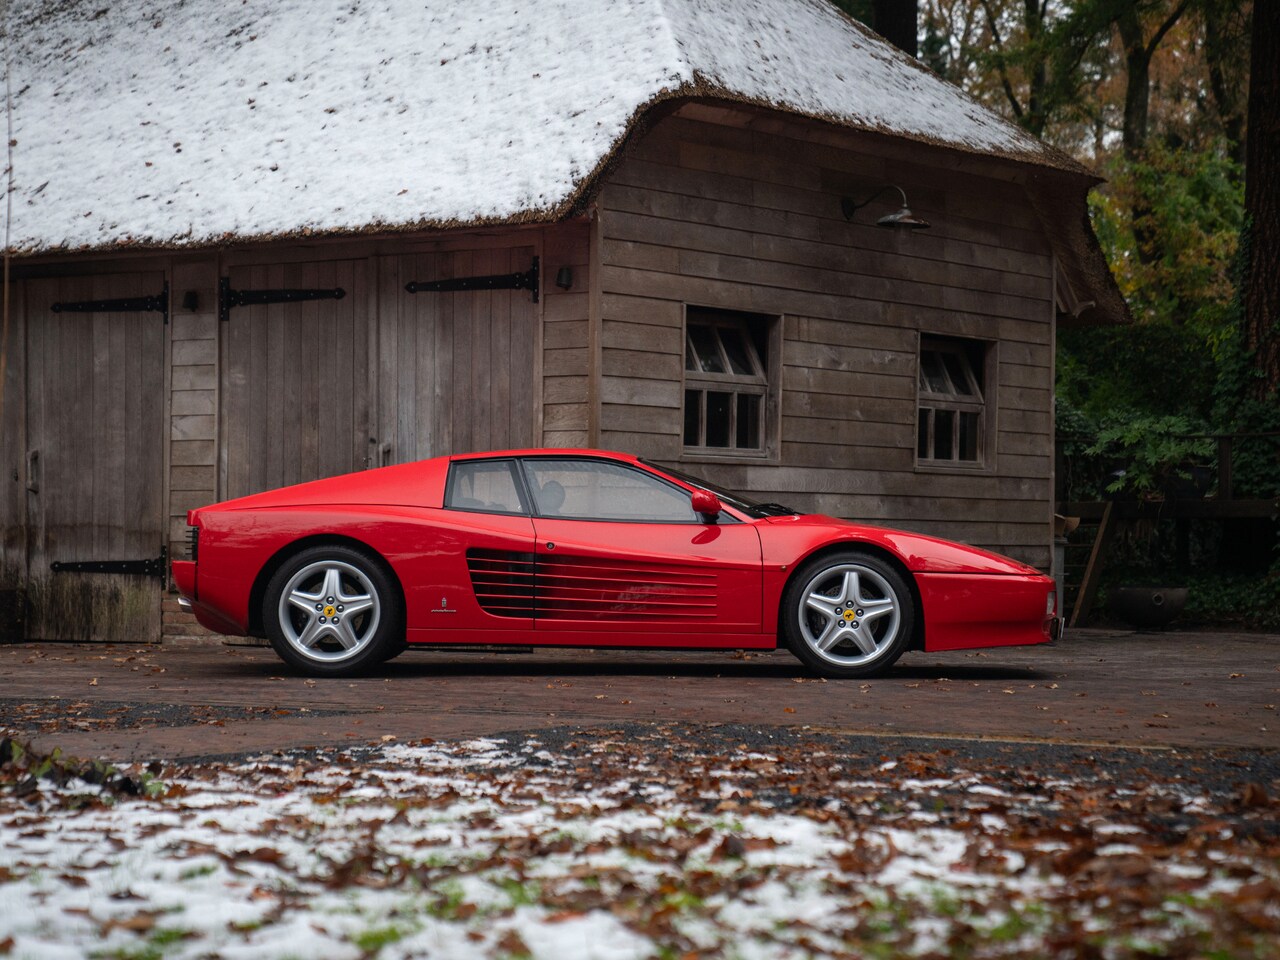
x=848, y=614
x=395, y=649
x=333, y=611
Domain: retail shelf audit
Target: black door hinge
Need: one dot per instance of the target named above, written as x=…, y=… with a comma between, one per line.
x=528, y=280
x=154, y=567
x=229, y=298
x=156, y=304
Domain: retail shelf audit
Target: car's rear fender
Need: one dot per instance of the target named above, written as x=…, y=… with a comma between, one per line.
x=258, y=593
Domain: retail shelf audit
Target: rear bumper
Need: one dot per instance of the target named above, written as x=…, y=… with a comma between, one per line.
x=184, y=577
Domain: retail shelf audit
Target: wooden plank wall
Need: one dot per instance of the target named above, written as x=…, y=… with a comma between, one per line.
x=566, y=337
x=740, y=210
x=13, y=464
x=193, y=428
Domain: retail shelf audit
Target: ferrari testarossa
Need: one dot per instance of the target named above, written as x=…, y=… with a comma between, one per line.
x=586, y=548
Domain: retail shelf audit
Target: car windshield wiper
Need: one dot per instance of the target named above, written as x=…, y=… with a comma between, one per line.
x=776, y=509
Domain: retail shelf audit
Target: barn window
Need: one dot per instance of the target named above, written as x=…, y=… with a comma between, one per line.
x=952, y=400
x=726, y=381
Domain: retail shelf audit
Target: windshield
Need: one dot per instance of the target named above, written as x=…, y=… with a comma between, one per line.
x=751, y=508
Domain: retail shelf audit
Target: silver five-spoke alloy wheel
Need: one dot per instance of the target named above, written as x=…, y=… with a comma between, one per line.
x=329, y=611
x=849, y=614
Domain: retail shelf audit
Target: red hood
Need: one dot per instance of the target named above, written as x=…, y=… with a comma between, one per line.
x=921, y=553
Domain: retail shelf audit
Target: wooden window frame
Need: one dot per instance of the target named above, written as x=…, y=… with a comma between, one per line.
x=758, y=330
x=928, y=403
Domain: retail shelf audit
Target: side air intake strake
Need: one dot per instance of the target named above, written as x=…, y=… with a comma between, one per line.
x=503, y=581
x=511, y=584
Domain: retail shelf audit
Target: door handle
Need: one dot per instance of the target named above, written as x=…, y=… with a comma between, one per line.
x=384, y=453
x=33, y=471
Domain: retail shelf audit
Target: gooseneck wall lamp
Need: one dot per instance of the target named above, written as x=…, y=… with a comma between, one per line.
x=903, y=218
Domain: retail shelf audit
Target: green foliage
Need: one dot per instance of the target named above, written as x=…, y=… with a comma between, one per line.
x=1130, y=396
x=1239, y=600
x=1256, y=460
x=1190, y=208
x=374, y=939
x=1155, y=450
x=1171, y=360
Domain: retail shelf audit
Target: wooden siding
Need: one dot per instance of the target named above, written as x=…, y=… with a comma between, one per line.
x=566, y=337
x=13, y=464
x=193, y=397
x=715, y=207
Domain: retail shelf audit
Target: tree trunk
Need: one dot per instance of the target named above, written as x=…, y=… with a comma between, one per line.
x=1037, y=113
x=1137, y=92
x=1262, y=201
x=1222, y=53
x=895, y=20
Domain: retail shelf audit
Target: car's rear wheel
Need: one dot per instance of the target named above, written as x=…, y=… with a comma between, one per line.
x=333, y=611
x=849, y=614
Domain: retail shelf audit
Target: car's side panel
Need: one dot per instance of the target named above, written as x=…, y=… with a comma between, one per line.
x=426, y=549
x=451, y=583
x=630, y=579
x=601, y=636
x=972, y=610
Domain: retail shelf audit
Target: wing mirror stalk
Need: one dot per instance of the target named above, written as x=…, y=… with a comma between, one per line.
x=707, y=504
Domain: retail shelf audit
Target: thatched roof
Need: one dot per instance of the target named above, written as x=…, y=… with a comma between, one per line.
x=171, y=123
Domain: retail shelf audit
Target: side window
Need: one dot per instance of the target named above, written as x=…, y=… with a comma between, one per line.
x=953, y=404
x=486, y=486
x=599, y=490
x=726, y=381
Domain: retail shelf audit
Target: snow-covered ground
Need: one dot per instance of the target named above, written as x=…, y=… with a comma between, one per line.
x=608, y=848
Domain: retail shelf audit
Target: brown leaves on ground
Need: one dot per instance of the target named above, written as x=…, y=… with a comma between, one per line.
x=669, y=831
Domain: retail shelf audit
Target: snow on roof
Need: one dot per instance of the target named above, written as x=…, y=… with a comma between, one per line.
x=173, y=123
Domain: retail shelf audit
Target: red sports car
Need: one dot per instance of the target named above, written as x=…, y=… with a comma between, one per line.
x=586, y=548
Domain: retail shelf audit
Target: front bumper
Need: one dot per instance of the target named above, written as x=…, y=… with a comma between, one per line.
x=963, y=611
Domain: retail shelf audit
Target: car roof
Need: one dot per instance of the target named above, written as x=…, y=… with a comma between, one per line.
x=547, y=452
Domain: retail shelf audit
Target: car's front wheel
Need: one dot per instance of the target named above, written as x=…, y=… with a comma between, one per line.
x=333, y=611
x=849, y=614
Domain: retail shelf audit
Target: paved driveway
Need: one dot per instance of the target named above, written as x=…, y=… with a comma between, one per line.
x=1156, y=690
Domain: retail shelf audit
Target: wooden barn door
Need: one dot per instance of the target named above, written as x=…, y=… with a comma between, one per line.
x=455, y=368
x=294, y=379
x=94, y=458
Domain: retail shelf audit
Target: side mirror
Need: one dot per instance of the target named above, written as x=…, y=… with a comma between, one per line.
x=706, y=503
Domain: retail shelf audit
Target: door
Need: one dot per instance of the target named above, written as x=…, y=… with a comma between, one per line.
x=455, y=368
x=94, y=457
x=474, y=581
x=621, y=556
x=294, y=397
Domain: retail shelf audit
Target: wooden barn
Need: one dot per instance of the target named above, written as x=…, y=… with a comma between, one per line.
x=261, y=243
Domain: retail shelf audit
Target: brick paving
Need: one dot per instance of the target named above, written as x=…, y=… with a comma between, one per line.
x=1155, y=690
